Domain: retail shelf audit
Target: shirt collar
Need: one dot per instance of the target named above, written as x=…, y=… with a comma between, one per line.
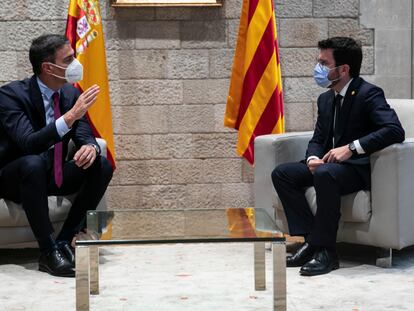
x=345, y=88
x=45, y=90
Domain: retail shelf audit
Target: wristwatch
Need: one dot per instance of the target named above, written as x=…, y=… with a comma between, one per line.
x=351, y=146
x=97, y=149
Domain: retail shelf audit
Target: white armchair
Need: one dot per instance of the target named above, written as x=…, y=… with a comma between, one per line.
x=381, y=217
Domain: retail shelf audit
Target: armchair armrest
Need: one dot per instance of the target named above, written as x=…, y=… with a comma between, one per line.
x=270, y=151
x=392, y=189
x=102, y=144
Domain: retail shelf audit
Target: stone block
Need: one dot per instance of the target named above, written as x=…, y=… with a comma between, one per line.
x=196, y=171
x=140, y=119
x=150, y=92
x=189, y=13
x=18, y=35
x=298, y=62
x=393, y=52
x=164, y=197
x=232, y=8
x=124, y=197
x=187, y=171
x=119, y=35
x=385, y=14
x=214, y=145
x=247, y=172
x=172, y=146
x=142, y=64
x=24, y=68
x=350, y=27
x=112, y=63
x=300, y=90
x=13, y=10
x=397, y=87
x=203, y=34
x=232, y=26
x=8, y=66
x=191, y=118
x=142, y=172
x=48, y=9
x=238, y=195
x=204, y=196
x=133, y=147
x=302, y=32
x=299, y=116
x=157, y=35
x=367, y=66
x=219, y=111
x=221, y=63
x=207, y=91
x=187, y=64
x=337, y=8
x=132, y=14
x=114, y=89
x=222, y=170
x=293, y=8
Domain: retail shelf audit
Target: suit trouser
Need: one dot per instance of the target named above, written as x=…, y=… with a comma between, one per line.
x=331, y=180
x=29, y=180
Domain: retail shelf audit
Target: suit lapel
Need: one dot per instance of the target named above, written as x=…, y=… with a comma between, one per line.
x=37, y=100
x=64, y=103
x=347, y=105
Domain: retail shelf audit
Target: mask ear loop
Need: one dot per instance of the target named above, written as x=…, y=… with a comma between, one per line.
x=60, y=67
x=336, y=78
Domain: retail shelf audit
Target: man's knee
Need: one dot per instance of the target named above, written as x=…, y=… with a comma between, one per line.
x=104, y=167
x=281, y=173
x=323, y=173
x=33, y=165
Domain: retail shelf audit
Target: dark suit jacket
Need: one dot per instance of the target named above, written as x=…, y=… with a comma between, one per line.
x=23, y=129
x=365, y=115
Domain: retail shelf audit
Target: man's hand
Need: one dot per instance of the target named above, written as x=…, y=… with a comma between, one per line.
x=84, y=102
x=85, y=156
x=314, y=163
x=337, y=155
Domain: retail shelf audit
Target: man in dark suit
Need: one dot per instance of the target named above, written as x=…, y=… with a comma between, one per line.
x=354, y=120
x=38, y=117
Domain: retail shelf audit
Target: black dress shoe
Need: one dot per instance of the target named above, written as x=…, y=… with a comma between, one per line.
x=56, y=264
x=302, y=256
x=67, y=251
x=322, y=262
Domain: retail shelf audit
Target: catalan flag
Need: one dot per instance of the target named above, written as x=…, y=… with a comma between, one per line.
x=84, y=31
x=255, y=100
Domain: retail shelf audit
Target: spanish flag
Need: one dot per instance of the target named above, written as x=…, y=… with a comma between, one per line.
x=84, y=31
x=255, y=100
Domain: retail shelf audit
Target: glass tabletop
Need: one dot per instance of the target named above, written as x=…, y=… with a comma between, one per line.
x=179, y=226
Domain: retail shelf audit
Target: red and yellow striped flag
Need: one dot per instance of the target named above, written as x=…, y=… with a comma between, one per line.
x=84, y=31
x=255, y=101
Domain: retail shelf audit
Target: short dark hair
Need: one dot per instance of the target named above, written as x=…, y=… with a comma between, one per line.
x=346, y=51
x=43, y=49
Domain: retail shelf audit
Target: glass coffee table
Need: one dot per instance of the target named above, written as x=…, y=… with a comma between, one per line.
x=137, y=227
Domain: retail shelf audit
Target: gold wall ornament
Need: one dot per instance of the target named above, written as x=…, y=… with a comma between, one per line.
x=164, y=3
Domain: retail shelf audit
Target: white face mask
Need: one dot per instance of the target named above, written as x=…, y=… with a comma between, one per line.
x=73, y=72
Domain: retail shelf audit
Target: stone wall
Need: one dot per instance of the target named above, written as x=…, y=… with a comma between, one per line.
x=169, y=73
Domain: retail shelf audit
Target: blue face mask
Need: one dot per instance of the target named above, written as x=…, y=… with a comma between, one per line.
x=320, y=74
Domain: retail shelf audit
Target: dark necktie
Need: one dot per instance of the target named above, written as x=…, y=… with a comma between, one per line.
x=337, y=102
x=57, y=161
